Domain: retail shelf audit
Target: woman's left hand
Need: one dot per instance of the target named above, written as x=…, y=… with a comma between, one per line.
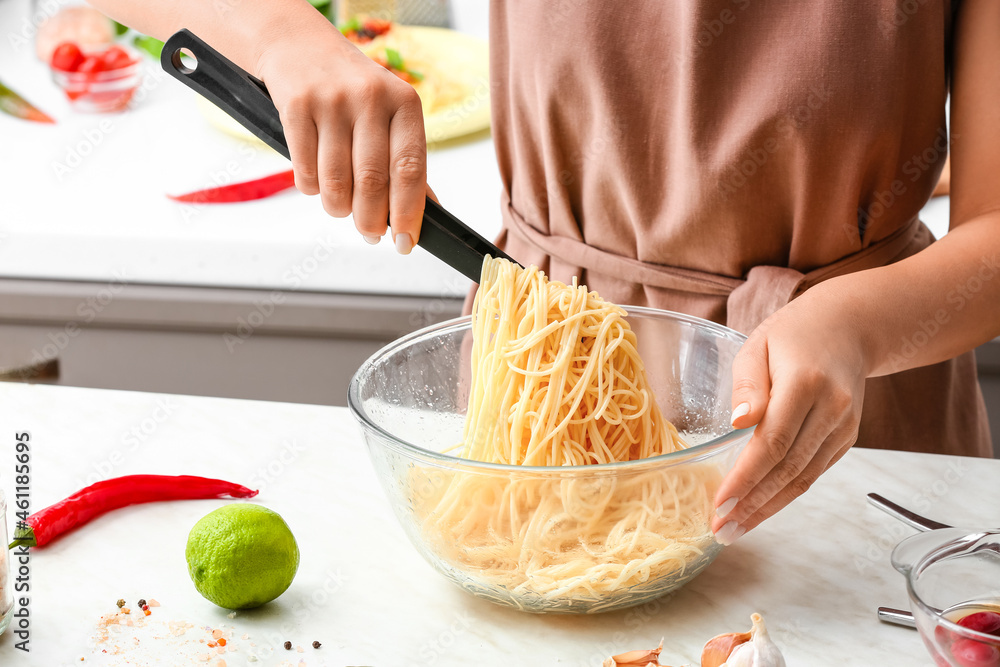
x=800, y=377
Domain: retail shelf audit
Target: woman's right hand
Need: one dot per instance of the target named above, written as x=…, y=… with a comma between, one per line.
x=355, y=132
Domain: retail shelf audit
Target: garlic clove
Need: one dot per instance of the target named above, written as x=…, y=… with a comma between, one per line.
x=649, y=658
x=718, y=649
x=743, y=656
x=756, y=650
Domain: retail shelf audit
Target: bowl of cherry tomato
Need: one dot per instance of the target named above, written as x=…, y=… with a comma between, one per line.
x=96, y=81
x=953, y=580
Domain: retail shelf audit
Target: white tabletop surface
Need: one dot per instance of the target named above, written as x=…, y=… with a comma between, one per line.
x=85, y=199
x=816, y=572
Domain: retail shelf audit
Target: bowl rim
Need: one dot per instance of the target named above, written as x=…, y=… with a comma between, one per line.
x=694, y=453
x=61, y=76
x=934, y=556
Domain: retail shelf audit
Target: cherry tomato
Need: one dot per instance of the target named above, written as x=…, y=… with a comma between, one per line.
x=970, y=653
x=116, y=58
x=92, y=64
x=376, y=26
x=67, y=57
x=987, y=622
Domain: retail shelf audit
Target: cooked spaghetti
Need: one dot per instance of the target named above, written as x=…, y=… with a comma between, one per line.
x=556, y=380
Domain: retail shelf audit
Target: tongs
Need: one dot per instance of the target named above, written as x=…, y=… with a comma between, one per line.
x=245, y=98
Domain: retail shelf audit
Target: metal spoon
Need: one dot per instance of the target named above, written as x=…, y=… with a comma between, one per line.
x=896, y=617
x=914, y=520
x=911, y=519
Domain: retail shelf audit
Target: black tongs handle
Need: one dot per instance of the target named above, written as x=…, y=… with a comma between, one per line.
x=245, y=98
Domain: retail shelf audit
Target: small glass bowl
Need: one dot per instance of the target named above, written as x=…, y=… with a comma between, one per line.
x=98, y=92
x=950, y=574
x=6, y=590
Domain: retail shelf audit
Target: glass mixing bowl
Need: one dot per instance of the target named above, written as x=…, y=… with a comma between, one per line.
x=952, y=573
x=572, y=539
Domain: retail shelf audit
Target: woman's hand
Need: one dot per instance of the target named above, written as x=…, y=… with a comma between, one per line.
x=800, y=378
x=355, y=132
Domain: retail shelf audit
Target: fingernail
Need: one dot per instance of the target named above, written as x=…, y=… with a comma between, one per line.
x=404, y=244
x=725, y=508
x=729, y=533
x=372, y=240
x=741, y=410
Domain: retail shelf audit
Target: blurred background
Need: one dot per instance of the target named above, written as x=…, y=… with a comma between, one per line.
x=119, y=270
x=107, y=282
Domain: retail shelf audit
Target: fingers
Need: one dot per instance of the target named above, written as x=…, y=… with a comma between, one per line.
x=768, y=447
x=336, y=177
x=787, y=453
x=796, y=469
x=805, y=480
x=751, y=382
x=302, y=137
x=355, y=134
x=407, y=174
x=370, y=201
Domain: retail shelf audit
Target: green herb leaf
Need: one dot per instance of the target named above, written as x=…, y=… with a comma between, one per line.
x=150, y=45
x=395, y=60
x=352, y=24
x=120, y=29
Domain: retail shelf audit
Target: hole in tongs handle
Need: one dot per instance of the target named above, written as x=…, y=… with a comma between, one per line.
x=911, y=519
x=218, y=79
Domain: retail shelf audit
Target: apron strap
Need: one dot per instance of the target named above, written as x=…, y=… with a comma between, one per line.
x=765, y=290
x=578, y=253
x=768, y=288
x=749, y=301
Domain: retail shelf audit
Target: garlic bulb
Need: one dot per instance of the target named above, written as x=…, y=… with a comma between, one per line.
x=748, y=649
x=718, y=649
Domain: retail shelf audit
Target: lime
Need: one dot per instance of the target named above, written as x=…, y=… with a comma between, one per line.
x=241, y=556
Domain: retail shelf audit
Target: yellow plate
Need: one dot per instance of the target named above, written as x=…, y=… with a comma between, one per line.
x=459, y=63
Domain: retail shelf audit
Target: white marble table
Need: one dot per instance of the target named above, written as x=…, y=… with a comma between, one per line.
x=816, y=572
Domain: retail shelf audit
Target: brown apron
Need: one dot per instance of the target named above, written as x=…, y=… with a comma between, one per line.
x=720, y=157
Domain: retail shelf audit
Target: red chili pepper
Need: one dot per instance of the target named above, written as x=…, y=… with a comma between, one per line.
x=236, y=192
x=13, y=104
x=46, y=525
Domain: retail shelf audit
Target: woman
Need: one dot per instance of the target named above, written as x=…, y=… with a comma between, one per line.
x=759, y=164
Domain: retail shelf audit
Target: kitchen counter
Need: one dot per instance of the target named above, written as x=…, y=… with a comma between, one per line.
x=816, y=572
